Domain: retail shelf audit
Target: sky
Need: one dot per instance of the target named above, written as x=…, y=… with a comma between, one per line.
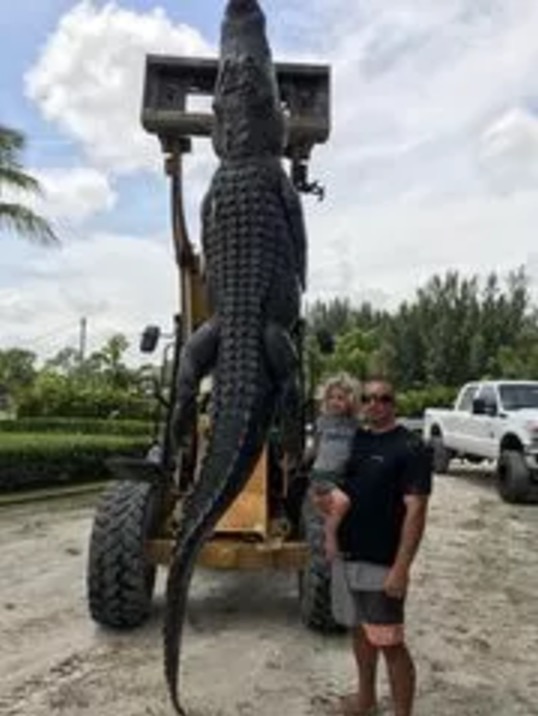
x=432, y=162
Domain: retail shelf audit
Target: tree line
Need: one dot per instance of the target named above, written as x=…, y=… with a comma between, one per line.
x=455, y=329
x=99, y=386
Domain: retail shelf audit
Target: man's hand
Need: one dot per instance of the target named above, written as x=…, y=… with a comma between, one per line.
x=397, y=579
x=396, y=582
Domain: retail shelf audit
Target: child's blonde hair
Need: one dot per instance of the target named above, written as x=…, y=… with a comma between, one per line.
x=347, y=384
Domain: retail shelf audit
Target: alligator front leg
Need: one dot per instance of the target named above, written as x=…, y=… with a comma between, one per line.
x=284, y=365
x=199, y=357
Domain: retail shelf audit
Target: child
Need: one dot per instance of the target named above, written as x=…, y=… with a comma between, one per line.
x=335, y=429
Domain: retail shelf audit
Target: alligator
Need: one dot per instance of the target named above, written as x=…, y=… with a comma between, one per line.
x=254, y=247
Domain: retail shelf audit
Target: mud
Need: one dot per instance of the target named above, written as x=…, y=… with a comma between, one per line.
x=472, y=624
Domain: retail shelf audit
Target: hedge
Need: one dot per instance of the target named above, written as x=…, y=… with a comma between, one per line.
x=413, y=403
x=87, y=426
x=43, y=460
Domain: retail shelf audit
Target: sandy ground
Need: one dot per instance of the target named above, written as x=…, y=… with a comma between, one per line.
x=472, y=616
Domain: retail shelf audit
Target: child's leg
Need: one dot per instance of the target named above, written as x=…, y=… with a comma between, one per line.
x=339, y=507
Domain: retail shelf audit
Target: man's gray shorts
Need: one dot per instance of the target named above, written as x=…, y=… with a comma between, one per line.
x=358, y=597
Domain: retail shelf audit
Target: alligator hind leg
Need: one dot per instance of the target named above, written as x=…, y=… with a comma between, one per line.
x=284, y=366
x=197, y=360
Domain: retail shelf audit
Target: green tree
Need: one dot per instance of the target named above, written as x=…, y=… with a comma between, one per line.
x=355, y=351
x=15, y=216
x=408, y=345
x=17, y=370
x=520, y=361
x=103, y=367
x=334, y=317
x=109, y=359
x=504, y=319
x=449, y=312
x=455, y=328
x=100, y=386
x=56, y=395
x=66, y=361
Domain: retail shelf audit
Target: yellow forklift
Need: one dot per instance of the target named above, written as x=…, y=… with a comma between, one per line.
x=271, y=524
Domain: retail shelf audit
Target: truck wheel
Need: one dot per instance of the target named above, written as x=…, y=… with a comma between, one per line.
x=513, y=477
x=120, y=579
x=441, y=455
x=315, y=578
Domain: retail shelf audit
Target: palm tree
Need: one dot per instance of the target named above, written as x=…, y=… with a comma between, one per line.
x=16, y=217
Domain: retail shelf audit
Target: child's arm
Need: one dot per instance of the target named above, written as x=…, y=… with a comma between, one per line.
x=340, y=502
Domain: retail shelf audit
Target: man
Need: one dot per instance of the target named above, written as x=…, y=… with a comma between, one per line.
x=386, y=489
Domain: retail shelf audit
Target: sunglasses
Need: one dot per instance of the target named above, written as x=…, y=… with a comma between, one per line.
x=384, y=398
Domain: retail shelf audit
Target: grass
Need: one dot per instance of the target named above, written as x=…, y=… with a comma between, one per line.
x=44, y=442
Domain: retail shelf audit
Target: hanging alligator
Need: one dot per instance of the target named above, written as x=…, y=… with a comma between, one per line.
x=254, y=246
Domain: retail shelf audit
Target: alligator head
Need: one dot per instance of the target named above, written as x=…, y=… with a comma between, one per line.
x=249, y=121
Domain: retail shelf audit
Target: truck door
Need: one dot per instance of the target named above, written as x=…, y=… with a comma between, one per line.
x=459, y=423
x=485, y=411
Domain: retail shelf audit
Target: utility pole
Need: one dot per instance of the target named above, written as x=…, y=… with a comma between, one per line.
x=82, y=339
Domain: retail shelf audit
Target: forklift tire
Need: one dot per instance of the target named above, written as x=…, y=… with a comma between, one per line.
x=120, y=579
x=513, y=477
x=315, y=578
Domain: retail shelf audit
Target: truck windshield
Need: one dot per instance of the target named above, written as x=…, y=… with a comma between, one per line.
x=517, y=397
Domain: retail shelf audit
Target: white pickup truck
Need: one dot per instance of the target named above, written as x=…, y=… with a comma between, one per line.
x=494, y=420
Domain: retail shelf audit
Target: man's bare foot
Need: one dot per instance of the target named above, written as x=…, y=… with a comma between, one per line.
x=351, y=705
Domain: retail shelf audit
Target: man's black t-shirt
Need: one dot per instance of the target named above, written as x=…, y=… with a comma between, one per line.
x=382, y=469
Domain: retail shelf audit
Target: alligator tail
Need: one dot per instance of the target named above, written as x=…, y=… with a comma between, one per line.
x=245, y=401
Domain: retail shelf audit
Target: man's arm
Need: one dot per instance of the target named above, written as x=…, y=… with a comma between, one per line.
x=411, y=536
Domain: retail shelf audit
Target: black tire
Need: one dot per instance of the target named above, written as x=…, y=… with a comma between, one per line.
x=441, y=455
x=315, y=578
x=120, y=579
x=513, y=477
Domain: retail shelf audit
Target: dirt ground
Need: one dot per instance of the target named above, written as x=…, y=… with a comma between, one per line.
x=472, y=623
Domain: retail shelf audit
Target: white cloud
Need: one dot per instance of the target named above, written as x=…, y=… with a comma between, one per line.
x=432, y=161
x=119, y=283
x=510, y=151
x=67, y=197
x=416, y=84
x=74, y=195
x=89, y=78
x=385, y=253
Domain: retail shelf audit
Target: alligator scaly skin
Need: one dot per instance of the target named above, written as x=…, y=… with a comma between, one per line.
x=254, y=247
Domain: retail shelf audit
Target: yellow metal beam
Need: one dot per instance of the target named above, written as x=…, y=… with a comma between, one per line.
x=249, y=512
x=239, y=554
